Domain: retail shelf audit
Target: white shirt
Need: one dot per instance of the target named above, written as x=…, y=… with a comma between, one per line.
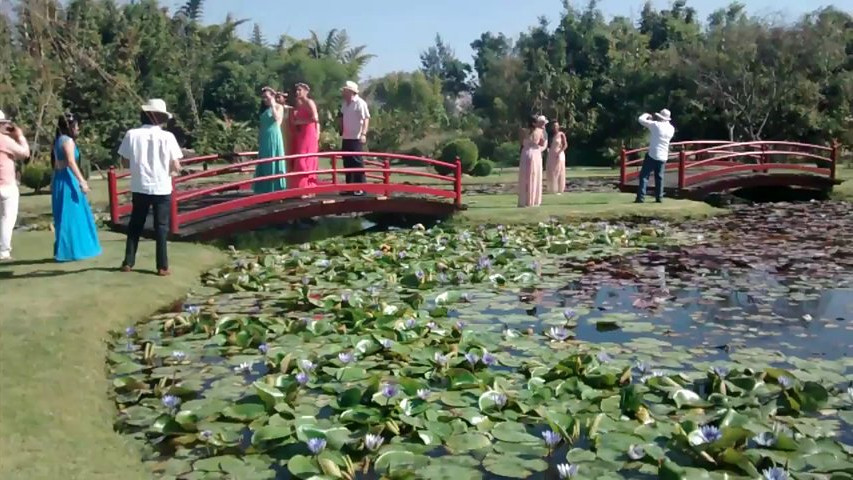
x=662, y=133
x=354, y=115
x=151, y=151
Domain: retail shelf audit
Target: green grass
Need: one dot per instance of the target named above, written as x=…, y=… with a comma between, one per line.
x=55, y=414
x=845, y=190
x=578, y=206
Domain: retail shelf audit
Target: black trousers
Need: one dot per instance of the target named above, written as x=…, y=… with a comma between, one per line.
x=142, y=203
x=348, y=145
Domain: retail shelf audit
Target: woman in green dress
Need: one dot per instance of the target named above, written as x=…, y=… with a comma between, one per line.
x=270, y=144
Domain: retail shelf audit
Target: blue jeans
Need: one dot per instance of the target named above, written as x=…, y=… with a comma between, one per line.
x=651, y=165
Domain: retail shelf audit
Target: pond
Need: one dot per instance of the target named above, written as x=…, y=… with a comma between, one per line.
x=710, y=349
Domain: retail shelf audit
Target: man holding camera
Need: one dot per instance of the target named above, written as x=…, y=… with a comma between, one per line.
x=13, y=146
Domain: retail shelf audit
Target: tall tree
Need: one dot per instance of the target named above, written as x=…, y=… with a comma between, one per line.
x=440, y=61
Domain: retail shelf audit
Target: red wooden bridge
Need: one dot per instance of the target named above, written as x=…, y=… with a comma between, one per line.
x=699, y=168
x=213, y=196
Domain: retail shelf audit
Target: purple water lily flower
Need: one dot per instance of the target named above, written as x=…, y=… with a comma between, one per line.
x=302, y=378
x=307, y=365
x=245, y=367
x=560, y=334
x=423, y=393
x=205, y=435
x=316, y=445
x=345, y=298
x=488, y=359
x=410, y=323
x=306, y=281
x=786, y=382
x=569, y=314
x=460, y=325
x=401, y=255
x=721, y=372
x=551, y=438
x=567, y=470
x=504, y=239
x=765, y=439
x=263, y=348
x=472, y=358
x=709, y=434
x=378, y=254
x=636, y=452
x=643, y=368
x=386, y=343
x=440, y=359
x=171, y=402
x=129, y=331
x=373, y=442
x=420, y=275
x=775, y=473
x=499, y=399
x=388, y=390
x=179, y=356
x=323, y=263
x=192, y=309
x=603, y=357
x=484, y=263
x=345, y=357
x=432, y=326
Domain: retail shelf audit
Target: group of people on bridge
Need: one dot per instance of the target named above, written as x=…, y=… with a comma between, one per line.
x=536, y=138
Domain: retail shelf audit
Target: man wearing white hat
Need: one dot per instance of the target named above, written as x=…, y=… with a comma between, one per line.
x=662, y=132
x=355, y=120
x=13, y=146
x=154, y=155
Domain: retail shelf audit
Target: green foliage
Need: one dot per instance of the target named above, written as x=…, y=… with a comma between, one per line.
x=36, y=176
x=483, y=168
x=463, y=149
x=507, y=154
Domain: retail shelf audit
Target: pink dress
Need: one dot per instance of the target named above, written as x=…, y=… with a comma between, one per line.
x=555, y=167
x=530, y=171
x=306, y=139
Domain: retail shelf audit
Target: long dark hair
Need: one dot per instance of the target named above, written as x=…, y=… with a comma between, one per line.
x=64, y=126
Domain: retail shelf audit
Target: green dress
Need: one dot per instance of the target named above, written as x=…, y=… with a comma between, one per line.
x=270, y=145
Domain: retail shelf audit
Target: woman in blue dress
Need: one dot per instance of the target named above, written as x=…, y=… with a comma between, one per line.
x=76, y=235
x=270, y=143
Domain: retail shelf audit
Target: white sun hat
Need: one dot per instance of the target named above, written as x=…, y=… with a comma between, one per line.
x=156, y=105
x=3, y=118
x=664, y=115
x=542, y=119
x=351, y=86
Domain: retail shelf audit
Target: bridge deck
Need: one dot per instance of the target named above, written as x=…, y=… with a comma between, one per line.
x=734, y=181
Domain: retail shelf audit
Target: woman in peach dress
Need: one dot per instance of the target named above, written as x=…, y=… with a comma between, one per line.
x=530, y=167
x=555, y=167
x=306, y=137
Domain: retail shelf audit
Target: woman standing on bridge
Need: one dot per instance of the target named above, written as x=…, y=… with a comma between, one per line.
x=306, y=137
x=530, y=166
x=270, y=144
x=76, y=236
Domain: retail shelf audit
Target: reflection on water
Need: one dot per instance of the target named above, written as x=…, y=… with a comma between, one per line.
x=303, y=231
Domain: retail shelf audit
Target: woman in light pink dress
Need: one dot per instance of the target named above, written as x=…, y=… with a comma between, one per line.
x=306, y=137
x=530, y=167
x=555, y=167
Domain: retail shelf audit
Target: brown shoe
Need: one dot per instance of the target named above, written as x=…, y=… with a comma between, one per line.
x=126, y=268
x=163, y=273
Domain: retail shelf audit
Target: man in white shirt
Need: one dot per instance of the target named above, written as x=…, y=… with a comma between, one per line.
x=655, y=162
x=154, y=155
x=355, y=120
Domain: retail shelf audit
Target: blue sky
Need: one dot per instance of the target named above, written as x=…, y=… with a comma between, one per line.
x=398, y=30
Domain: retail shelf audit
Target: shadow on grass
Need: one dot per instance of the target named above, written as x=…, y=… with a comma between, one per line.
x=62, y=273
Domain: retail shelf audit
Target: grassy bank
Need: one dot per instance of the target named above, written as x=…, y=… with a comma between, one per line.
x=55, y=413
x=578, y=206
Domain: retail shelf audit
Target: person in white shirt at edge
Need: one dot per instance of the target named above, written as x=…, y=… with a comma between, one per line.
x=655, y=162
x=154, y=155
x=355, y=120
x=13, y=147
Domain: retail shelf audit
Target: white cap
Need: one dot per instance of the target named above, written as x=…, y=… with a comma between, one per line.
x=156, y=105
x=351, y=86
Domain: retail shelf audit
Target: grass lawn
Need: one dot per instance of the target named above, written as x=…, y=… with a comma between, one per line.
x=56, y=418
x=845, y=190
x=578, y=206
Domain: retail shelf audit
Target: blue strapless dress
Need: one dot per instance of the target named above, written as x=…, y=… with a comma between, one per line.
x=76, y=234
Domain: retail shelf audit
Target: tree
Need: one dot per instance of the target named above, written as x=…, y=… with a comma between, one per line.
x=439, y=61
x=258, y=39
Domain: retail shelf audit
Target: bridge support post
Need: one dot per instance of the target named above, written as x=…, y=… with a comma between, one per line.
x=112, y=186
x=386, y=175
x=623, y=169
x=334, y=169
x=682, y=167
x=834, y=156
x=458, y=185
x=173, y=210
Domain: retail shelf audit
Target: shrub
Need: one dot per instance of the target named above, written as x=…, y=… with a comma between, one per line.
x=462, y=148
x=507, y=154
x=483, y=168
x=36, y=176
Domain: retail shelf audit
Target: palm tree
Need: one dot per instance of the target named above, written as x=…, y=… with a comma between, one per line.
x=337, y=45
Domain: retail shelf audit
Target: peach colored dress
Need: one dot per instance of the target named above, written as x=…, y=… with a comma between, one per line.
x=530, y=170
x=555, y=166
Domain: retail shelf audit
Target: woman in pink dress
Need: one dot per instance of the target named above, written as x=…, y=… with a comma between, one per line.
x=555, y=166
x=530, y=167
x=306, y=137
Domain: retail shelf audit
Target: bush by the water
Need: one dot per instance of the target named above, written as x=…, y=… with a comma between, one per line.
x=36, y=177
x=507, y=154
x=463, y=149
x=483, y=168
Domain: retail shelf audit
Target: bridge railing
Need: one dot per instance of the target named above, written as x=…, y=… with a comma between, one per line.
x=703, y=160
x=199, y=194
